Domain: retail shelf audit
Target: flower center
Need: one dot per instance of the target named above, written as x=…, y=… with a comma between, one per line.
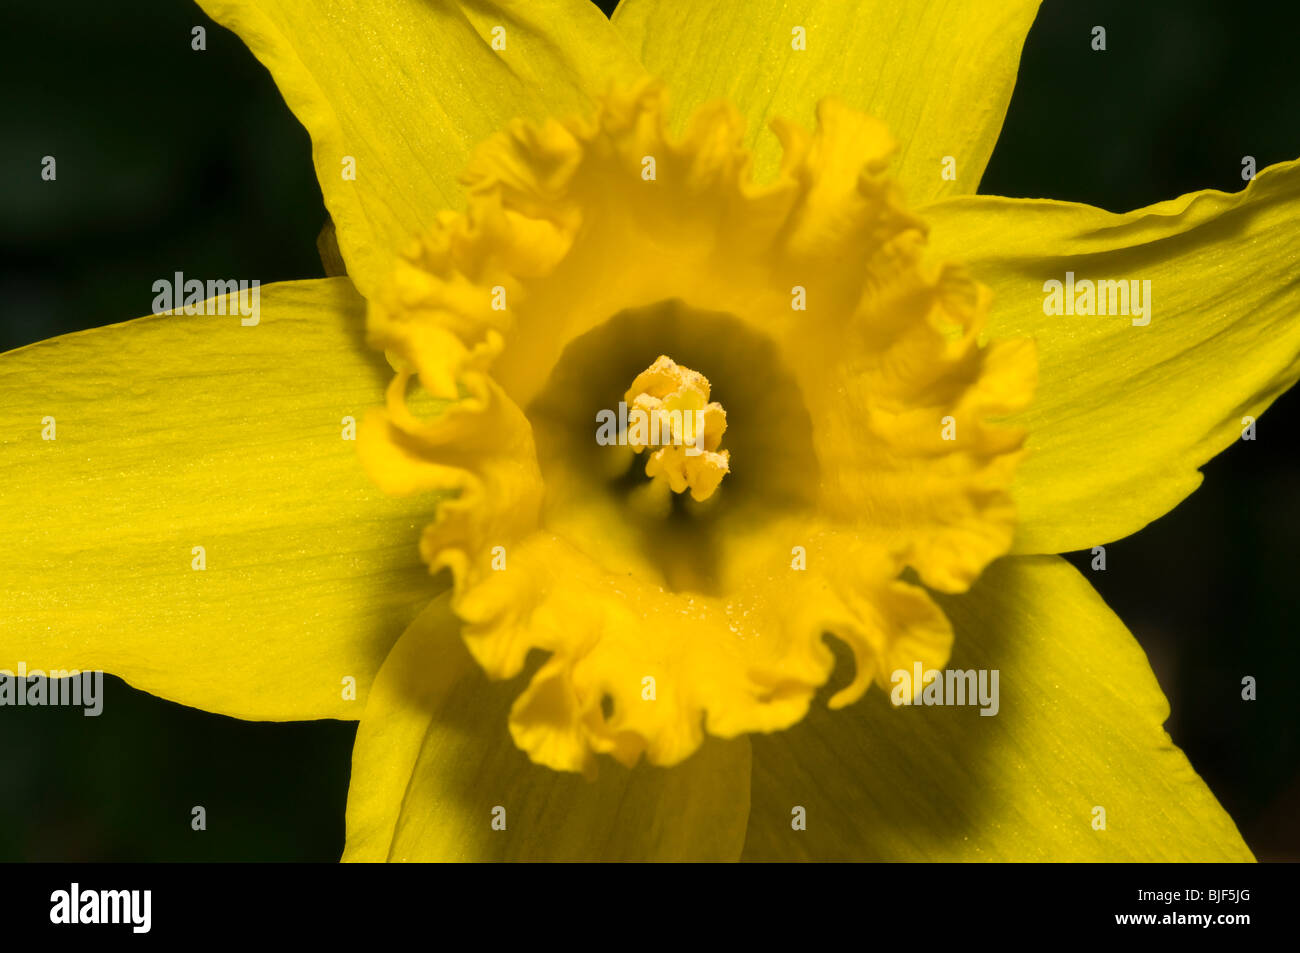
x=595, y=491
x=669, y=413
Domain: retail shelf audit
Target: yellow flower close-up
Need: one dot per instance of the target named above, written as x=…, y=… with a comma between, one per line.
x=708, y=444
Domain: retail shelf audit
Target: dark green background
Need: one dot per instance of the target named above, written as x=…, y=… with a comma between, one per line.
x=170, y=159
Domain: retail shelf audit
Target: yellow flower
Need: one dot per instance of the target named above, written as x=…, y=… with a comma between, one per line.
x=845, y=349
x=809, y=302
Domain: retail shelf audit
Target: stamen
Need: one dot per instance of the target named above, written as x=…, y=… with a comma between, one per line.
x=669, y=410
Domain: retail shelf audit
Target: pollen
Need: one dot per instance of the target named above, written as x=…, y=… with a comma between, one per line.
x=670, y=415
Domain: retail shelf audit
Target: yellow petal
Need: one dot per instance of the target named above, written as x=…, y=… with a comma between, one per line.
x=434, y=767
x=939, y=75
x=181, y=431
x=397, y=92
x=1078, y=727
x=1127, y=413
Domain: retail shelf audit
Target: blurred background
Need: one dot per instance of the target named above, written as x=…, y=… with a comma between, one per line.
x=174, y=160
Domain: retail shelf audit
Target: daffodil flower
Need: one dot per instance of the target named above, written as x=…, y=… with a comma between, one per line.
x=621, y=652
